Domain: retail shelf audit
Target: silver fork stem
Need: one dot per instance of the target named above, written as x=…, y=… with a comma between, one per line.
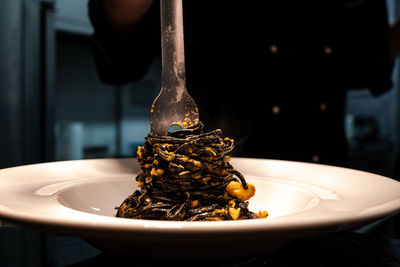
x=173, y=54
x=173, y=105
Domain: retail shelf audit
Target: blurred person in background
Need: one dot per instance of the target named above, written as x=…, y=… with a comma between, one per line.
x=272, y=75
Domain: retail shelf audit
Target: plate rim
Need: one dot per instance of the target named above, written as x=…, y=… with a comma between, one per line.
x=193, y=228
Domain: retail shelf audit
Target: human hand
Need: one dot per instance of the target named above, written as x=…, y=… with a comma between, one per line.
x=394, y=39
x=123, y=15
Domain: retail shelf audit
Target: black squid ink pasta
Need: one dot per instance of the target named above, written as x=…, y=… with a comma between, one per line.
x=186, y=176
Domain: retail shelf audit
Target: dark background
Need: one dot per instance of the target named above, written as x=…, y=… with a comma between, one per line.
x=54, y=107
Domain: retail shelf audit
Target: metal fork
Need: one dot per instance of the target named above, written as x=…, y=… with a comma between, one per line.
x=173, y=105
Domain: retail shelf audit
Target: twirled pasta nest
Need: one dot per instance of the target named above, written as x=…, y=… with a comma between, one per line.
x=187, y=176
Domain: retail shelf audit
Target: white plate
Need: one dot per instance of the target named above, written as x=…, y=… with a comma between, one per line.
x=78, y=198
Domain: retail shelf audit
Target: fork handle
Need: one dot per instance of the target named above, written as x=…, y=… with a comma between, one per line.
x=172, y=45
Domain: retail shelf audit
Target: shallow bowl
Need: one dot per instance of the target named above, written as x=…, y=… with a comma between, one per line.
x=79, y=198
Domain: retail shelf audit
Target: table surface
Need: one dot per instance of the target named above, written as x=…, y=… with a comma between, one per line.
x=21, y=246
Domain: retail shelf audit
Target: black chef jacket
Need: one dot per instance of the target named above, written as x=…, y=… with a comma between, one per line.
x=271, y=74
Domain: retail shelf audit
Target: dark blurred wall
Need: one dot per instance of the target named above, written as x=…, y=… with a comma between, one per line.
x=11, y=83
x=22, y=75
